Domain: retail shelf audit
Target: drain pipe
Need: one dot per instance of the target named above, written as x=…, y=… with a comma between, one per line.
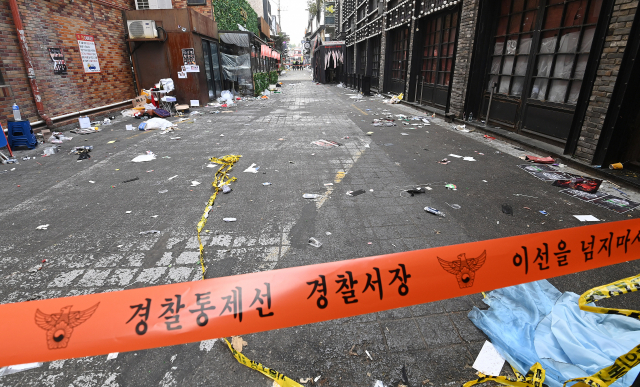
x=27, y=63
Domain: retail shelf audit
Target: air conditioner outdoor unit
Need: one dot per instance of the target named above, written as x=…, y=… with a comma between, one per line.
x=153, y=4
x=142, y=29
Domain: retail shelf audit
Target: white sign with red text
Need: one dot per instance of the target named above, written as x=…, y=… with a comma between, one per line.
x=88, y=53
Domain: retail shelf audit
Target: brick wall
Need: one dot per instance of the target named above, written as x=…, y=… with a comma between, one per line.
x=53, y=24
x=205, y=10
x=610, y=61
x=466, y=36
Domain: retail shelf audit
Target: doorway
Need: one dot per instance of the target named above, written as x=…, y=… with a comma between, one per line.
x=212, y=68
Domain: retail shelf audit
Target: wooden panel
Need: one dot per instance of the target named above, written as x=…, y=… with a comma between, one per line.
x=186, y=88
x=202, y=25
x=547, y=121
x=264, y=27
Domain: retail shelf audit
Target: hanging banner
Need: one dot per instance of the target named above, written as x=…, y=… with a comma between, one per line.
x=88, y=53
x=136, y=319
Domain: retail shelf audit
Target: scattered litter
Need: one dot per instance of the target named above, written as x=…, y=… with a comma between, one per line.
x=456, y=156
x=369, y=133
x=540, y=160
x=379, y=384
x=404, y=134
x=468, y=159
x=543, y=212
x=388, y=144
x=8, y=370
x=226, y=189
x=444, y=161
x=195, y=183
x=433, y=211
x=527, y=196
x=112, y=355
x=548, y=327
x=92, y=182
x=252, y=169
x=489, y=361
x=267, y=183
x=327, y=233
x=452, y=187
x=229, y=219
x=42, y=227
x=367, y=352
x=163, y=191
x=311, y=196
x=317, y=378
x=417, y=190
x=111, y=142
x=325, y=143
x=454, y=206
x=128, y=212
x=314, y=242
x=586, y=218
x=237, y=342
x=507, y=209
x=149, y=232
x=327, y=184
x=142, y=158
x=356, y=193
x=489, y=137
x=130, y=180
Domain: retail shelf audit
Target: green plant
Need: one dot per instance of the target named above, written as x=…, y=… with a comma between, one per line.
x=273, y=77
x=260, y=82
x=230, y=13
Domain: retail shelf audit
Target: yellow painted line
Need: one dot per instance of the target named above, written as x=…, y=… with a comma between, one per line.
x=141, y=132
x=359, y=110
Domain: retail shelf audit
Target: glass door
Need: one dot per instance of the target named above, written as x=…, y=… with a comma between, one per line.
x=212, y=68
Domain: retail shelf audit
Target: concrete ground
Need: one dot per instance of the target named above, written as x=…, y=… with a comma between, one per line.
x=93, y=245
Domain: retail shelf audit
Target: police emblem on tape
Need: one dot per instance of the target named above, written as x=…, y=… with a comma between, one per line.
x=464, y=268
x=59, y=326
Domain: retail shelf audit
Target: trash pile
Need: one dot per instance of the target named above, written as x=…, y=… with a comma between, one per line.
x=395, y=99
x=383, y=122
x=580, y=187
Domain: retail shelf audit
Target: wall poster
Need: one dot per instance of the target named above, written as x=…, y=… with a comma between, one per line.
x=189, y=56
x=88, y=53
x=59, y=65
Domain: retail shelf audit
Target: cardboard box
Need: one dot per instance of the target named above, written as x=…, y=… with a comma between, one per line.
x=139, y=101
x=46, y=133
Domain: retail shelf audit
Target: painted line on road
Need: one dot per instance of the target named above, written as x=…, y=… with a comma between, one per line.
x=355, y=107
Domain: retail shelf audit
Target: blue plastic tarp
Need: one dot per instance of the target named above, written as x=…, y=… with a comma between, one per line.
x=534, y=322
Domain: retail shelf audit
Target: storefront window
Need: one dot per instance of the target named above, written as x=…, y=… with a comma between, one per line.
x=512, y=46
x=439, y=49
x=564, y=50
x=363, y=57
x=400, y=54
x=375, y=58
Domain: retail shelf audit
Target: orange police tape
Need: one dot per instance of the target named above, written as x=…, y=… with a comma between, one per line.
x=130, y=320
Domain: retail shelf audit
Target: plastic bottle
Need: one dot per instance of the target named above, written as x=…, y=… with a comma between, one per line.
x=16, y=113
x=311, y=196
x=470, y=117
x=434, y=211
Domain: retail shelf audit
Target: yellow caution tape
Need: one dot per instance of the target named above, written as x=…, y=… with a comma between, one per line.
x=617, y=288
x=271, y=373
x=533, y=378
x=221, y=179
x=608, y=375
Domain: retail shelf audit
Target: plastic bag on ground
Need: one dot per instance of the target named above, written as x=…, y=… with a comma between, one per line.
x=226, y=96
x=534, y=322
x=158, y=123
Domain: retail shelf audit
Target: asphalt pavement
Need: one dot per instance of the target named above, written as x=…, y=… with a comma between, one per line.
x=93, y=241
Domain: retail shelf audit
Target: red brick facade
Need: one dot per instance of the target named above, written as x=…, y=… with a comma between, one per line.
x=54, y=24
